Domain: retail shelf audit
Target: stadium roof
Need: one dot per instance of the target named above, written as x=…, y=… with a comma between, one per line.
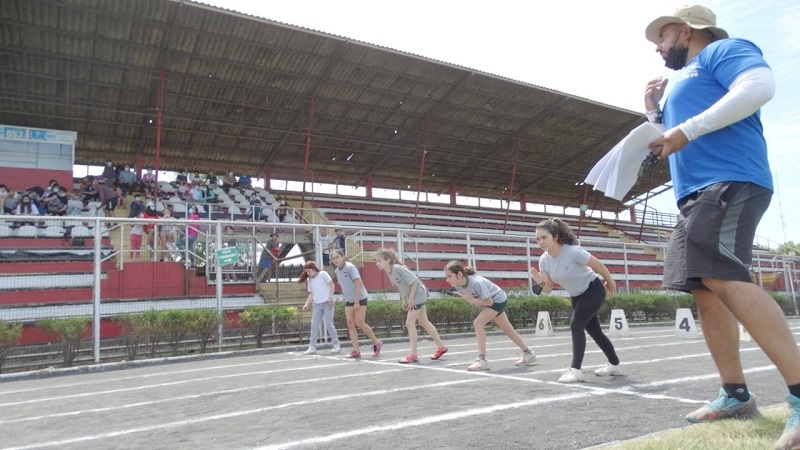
x=239, y=92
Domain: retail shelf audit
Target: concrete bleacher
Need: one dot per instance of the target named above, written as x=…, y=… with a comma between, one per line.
x=504, y=258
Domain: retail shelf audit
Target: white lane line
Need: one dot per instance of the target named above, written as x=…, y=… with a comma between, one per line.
x=171, y=383
x=196, y=396
x=181, y=423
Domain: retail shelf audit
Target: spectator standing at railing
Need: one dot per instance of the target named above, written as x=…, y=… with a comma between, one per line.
x=167, y=235
x=355, y=304
x=107, y=197
x=339, y=240
x=109, y=173
x=136, y=207
x=192, y=231
x=325, y=244
x=320, y=292
x=492, y=301
x=283, y=209
x=578, y=272
x=137, y=230
x=414, y=295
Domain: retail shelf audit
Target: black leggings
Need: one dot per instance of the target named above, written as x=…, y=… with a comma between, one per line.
x=584, y=317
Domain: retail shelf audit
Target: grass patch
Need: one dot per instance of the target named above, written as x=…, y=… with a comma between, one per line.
x=728, y=434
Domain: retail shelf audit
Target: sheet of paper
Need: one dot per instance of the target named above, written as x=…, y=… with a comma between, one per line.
x=617, y=172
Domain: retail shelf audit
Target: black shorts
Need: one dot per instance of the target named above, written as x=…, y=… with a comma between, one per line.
x=362, y=302
x=110, y=205
x=499, y=307
x=714, y=235
x=326, y=259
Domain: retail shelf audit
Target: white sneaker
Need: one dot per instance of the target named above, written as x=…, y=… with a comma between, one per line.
x=310, y=351
x=572, y=375
x=608, y=370
x=336, y=348
x=479, y=364
x=527, y=359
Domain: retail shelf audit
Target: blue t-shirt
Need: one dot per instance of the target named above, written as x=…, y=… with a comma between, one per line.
x=737, y=152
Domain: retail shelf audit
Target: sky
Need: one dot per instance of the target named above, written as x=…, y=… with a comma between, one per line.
x=587, y=48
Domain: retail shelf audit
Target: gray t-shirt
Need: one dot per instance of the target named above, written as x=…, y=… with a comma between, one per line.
x=402, y=279
x=481, y=288
x=346, y=278
x=569, y=269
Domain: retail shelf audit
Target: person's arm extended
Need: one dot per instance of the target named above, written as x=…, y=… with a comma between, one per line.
x=602, y=270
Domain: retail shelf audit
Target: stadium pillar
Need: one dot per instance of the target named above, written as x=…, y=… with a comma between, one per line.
x=632, y=212
x=368, y=185
x=453, y=194
x=523, y=201
x=265, y=172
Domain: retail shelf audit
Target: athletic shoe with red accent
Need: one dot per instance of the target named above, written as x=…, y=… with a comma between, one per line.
x=439, y=352
x=353, y=355
x=376, y=349
x=725, y=407
x=409, y=359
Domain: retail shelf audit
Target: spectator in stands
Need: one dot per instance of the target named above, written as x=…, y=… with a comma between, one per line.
x=283, y=209
x=320, y=292
x=148, y=177
x=52, y=189
x=109, y=174
x=256, y=206
x=339, y=240
x=191, y=234
x=414, y=295
x=196, y=192
x=245, y=182
x=167, y=234
x=26, y=207
x=127, y=180
x=576, y=270
x=229, y=240
x=492, y=301
x=106, y=196
x=355, y=304
x=136, y=207
x=326, y=244
x=121, y=196
x=197, y=178
x=228, y=181
x=274, y=246
x=149, y=227
x=88, y=191
x=714, y=139
x=6, y=195
x=36, y=201
x=182, y=178
x=211, y=179
x=137, y=230
x=51, y=193
x=57, y=204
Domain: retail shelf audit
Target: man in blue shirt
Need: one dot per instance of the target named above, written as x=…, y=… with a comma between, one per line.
x=717, y=154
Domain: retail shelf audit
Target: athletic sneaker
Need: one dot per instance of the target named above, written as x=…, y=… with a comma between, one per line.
x=725, y=407
x=609, y=370
x=376, y=349
x=353, y=355
x=310, y=351
x=409, y=359
x=791, y=433
x=336, y=348
x=479, y=364
x=439, y=352
x=527, y=359
x=572, y=375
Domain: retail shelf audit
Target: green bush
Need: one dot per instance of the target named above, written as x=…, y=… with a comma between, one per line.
x=9, y=335
x=135, y=329
x=68, y=331
x=386, y=314
x=175, y=323
x=451, y=314
x=203, y=322
x=258, y=321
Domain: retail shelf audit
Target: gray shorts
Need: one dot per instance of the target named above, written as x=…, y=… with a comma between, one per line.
x=714, y=235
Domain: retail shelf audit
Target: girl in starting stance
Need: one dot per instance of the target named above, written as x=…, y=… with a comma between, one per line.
x=413, y=294
x=569, y=265
x=355, y=306
x=492, y=300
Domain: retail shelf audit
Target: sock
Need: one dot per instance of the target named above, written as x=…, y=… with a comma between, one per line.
x=795, y=390
x=483, y=357
x=737, y=391
x=527, y=351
